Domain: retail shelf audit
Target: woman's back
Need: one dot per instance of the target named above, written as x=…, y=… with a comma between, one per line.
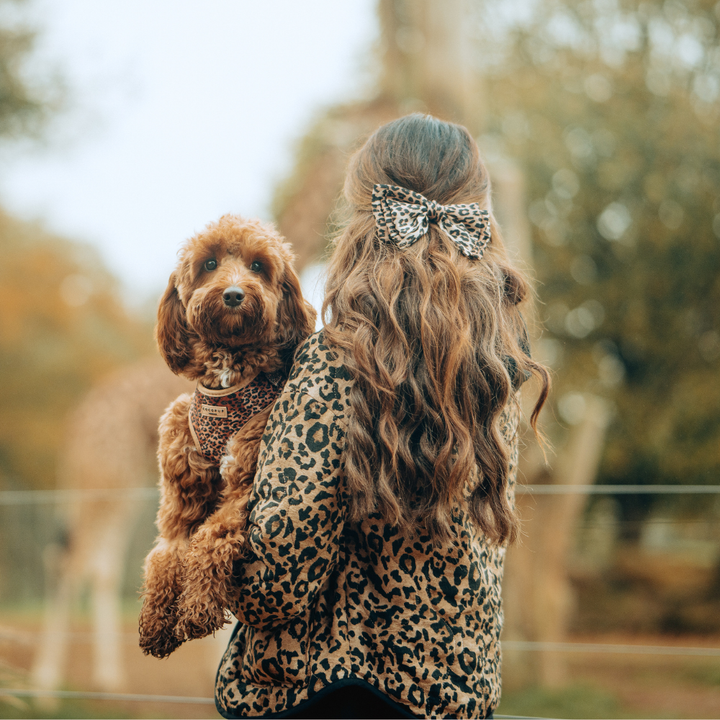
x=331, y=601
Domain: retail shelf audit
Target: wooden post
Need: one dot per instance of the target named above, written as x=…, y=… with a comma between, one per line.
x=537, y=592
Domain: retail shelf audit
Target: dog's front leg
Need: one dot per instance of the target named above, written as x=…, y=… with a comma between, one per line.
x=189, y=493
x=221, y=539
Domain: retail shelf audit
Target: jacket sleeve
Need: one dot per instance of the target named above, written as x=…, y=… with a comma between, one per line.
x=296, y=512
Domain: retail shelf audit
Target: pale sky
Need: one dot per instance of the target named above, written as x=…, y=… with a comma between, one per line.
x=183, y=110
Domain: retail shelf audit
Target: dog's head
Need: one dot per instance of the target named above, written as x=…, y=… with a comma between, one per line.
x=234, y=287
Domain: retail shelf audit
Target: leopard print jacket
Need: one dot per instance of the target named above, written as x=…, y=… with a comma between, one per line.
x=324, y=600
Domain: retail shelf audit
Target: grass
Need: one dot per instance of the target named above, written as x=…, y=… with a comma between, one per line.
x=630, y=686
x=706, y=675
x=24, y=708
x=574, y=701
x=21, y=708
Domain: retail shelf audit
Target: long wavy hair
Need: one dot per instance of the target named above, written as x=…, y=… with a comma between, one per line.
x=430, y=338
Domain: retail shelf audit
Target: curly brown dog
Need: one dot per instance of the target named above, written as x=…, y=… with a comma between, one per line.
x=231, y=318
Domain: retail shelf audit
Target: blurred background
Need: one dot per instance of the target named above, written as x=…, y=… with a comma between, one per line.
x=126, y=127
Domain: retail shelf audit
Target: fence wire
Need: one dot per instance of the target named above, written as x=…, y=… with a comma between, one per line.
x=83, y=695
x=578, y=647
x=42, y=497
x=618, y=489
x=32, y=497
x=28, y=637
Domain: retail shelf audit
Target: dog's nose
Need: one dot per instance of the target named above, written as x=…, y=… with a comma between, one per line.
x=233, y=296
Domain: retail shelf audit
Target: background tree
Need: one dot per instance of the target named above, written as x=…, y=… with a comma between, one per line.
x=612, y=110
x=599, y=123
x=63, y=323
x=28, y=100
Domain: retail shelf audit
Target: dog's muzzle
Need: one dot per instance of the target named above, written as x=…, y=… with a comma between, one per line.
x=233, y=296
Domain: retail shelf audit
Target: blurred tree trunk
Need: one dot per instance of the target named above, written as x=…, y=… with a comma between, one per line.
x=537, y=593
x=427, y=59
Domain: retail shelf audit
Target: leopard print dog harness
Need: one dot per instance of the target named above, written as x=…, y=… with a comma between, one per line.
x=216, y=415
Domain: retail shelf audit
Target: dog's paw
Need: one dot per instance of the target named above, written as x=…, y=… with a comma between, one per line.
x=201, y=606
x=157, y=632
x=161, y=645
x=207, y=579
x=200, y=618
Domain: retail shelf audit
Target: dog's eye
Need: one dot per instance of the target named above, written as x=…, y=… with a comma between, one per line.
x=210, y=265
x=256, y=266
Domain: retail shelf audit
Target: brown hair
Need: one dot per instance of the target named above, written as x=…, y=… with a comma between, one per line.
x=428, y=336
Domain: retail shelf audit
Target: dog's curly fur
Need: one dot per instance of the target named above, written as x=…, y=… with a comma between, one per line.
x=202, y=517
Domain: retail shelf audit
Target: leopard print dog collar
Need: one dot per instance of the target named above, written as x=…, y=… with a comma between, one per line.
x=403, y=217
x=216, y=415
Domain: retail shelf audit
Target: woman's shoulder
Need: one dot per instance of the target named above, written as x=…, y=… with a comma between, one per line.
x=319, y=372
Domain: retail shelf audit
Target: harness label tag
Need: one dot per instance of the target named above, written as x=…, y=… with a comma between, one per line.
x=213, y=411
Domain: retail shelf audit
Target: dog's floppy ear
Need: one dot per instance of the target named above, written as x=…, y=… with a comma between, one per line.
x=172, y=332
x=296, y=316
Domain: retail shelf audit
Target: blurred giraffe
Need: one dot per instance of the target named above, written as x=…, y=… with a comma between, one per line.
x=110, y=444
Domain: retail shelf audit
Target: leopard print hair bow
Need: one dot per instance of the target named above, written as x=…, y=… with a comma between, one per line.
x=403, y=217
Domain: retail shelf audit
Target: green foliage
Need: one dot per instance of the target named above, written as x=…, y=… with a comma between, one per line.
x=28, y=708
x=27, y=100
x=63, y=324
x=613, y=110
x=62, y=327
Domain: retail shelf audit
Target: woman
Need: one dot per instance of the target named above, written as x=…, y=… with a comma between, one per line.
x=383, y=500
